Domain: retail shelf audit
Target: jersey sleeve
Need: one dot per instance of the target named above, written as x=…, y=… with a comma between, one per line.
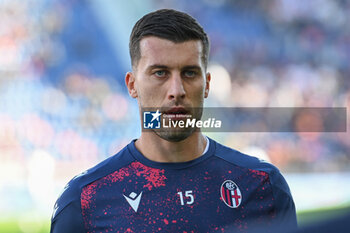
x=67, y=215
x=69, y=220
x=284, y=204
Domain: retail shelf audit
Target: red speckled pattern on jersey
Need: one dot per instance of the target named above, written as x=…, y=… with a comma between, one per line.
x=150, y=177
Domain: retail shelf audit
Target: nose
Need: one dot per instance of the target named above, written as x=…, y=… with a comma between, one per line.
x=176, y=88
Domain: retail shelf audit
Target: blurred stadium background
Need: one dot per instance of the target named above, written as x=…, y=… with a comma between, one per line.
x=64, y=107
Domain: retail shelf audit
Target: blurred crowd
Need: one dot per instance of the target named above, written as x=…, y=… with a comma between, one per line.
x=63, y=106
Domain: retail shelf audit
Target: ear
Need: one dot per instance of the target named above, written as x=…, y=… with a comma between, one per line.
x=130, y=84
x=207, y=84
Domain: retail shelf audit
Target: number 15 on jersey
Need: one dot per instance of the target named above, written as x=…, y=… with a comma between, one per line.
x=188, y=197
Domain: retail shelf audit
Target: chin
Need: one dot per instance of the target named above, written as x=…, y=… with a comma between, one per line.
x=176, y=135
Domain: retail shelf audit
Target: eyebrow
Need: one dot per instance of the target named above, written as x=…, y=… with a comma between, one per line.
x=192, y=67
x=158, y=66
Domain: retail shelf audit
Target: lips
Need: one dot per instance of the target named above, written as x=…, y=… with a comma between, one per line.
x=176, y=110
x=176, y=113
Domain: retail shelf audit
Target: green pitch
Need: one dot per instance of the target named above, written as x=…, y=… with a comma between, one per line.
x=323, y=214
x=16, y=227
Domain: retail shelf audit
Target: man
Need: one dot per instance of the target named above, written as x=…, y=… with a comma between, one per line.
x=173, y=180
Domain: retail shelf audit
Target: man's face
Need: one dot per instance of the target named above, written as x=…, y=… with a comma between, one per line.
x=170, y=76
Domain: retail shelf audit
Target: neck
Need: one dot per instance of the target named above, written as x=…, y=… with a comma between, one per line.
x=160, y=150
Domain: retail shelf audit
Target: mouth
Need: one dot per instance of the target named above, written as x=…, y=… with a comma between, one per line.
x=177, y=113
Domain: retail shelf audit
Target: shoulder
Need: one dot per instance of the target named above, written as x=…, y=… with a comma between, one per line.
x=242, y=160
x=253, y=164
x=72, y=191
x=283, y=201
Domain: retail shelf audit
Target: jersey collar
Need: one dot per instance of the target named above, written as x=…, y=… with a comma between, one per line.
x=180, y=165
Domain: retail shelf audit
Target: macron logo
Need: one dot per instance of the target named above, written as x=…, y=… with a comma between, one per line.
x=134, y=200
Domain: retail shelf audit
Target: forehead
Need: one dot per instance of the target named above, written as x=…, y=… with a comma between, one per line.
x=156, y=50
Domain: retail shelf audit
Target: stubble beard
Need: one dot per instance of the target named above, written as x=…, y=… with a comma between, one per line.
x=177, y=134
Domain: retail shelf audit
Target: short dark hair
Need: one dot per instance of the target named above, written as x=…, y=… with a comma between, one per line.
x=167, y=24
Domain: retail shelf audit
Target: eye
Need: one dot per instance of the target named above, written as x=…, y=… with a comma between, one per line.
x=190, y=73
x=160, y=73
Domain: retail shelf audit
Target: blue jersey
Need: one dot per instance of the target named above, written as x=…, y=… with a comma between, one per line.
x=221, y=191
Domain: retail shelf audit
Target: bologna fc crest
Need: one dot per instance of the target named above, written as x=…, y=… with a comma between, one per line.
x=230, y=194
